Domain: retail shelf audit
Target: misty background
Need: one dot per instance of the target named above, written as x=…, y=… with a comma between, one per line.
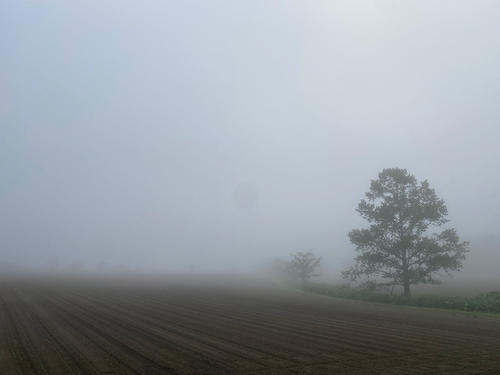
x=213, y=136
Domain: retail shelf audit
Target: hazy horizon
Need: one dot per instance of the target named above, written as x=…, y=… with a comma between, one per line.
x=214, y=136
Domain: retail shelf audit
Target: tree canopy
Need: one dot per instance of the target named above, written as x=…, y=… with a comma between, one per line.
x=303, y=265
x=397, y=246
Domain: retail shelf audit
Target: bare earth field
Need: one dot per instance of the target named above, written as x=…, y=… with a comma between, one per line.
x=228, y=327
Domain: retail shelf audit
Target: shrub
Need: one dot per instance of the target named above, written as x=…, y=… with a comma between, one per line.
x=489, y=302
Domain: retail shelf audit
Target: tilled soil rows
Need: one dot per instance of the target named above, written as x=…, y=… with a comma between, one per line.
x=228, y=327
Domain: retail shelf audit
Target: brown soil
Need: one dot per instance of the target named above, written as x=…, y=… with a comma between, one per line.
x=225, y=327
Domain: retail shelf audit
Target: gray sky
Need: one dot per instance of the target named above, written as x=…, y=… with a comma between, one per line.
x=218, y=133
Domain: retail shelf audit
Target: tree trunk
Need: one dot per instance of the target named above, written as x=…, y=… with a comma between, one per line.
x=406, y=276
x=406, y=285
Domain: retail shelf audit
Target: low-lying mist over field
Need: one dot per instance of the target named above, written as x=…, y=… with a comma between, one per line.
x=215, y=137
x=249, y=187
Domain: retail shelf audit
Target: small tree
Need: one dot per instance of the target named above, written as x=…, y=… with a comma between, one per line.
x=397, y=246
x=303, y=265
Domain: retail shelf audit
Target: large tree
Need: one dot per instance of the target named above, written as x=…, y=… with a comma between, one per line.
x=397, y=246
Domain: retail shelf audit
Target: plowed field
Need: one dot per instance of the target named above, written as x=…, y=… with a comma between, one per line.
x=226, y=327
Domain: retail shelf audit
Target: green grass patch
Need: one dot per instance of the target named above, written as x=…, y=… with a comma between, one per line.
x=489, y=302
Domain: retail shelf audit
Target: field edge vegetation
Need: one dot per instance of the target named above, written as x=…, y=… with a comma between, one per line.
x=487, y=302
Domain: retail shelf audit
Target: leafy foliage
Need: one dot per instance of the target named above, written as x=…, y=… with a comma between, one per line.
x=303, y=265
x=489, y=302
x=397, y=246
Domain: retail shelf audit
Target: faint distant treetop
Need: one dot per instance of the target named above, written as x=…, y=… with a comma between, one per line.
x=303, y=265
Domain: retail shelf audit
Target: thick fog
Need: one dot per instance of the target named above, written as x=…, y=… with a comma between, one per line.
x=213, y=136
